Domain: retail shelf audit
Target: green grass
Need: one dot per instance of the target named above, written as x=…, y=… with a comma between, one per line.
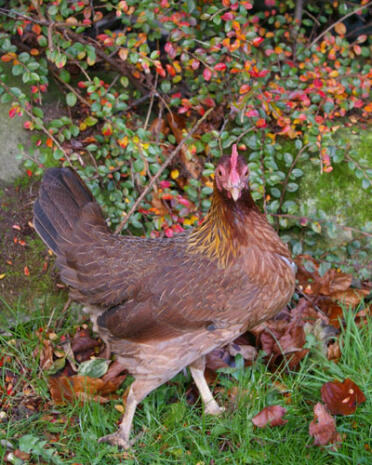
x=175, y=432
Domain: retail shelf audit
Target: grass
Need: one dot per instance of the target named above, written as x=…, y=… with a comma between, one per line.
x=175, y=432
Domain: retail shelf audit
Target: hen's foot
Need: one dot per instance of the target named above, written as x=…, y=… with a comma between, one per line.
x=115, y=439
x=212, y=408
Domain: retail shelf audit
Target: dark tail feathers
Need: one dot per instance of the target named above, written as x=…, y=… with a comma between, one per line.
x=59, y=206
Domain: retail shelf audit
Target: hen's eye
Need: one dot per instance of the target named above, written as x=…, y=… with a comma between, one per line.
x=219, y=171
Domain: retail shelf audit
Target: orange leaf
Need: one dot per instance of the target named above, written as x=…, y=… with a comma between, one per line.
x=123, y=53
x=272, y=416
x=340, y=28
x=343, y=397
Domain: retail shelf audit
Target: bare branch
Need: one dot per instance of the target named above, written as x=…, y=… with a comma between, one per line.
x=156, y=177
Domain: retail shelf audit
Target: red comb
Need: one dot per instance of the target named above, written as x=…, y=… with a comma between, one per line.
x=234, y=156
x=234, y=176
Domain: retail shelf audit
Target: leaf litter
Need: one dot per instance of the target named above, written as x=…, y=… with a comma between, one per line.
x=78, y=369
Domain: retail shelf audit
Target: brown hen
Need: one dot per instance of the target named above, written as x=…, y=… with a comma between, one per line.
x=163, y=304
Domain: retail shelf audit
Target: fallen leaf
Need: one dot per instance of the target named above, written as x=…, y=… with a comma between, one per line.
x=271, y=416
x=334, y=281
x=280, y=339
x=248, y=352
x=342, y=398
x=323, y=427
x=334, y=352
x=46, y=355
x=218, y=358
x=350, y=297
x=94, y=368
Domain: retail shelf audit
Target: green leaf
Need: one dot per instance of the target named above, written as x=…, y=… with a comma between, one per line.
x=275, y=192
x=94, y=368
x=17, y=70
x=292, y=187
x=71, y=99
x=297, y=248
x=165, y=86
x=323, y=268
x=53, y=10
x=252, y=141
x=288, y=158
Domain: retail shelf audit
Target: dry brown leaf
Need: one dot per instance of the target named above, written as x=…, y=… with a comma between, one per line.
x=82, y=342
x=342, y=398
x=323, y=427
x=158, y=205
x=350, y=297
x=334, y=352
x=45, y=354
x=217, y=359
x=270, y=416
x=68, y=388
x=248, y=352
x=280, y=338
x=334, y=281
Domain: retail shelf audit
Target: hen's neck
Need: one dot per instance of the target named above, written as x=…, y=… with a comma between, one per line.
x=227, y=227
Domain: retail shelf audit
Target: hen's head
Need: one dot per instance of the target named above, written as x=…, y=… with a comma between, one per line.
x=232, y=175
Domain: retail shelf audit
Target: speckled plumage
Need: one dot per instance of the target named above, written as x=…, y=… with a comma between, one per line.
x=162, y=304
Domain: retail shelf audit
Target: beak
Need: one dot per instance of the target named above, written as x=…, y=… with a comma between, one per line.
x=235, y=193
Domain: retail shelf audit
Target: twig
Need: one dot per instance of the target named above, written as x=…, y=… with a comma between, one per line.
x=351, y=13
x=299, y=11
x=71, y=89
x=165, y=164
x=153, y=93
x=307, y=298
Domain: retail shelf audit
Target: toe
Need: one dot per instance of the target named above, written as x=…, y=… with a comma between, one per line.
x=116, y=440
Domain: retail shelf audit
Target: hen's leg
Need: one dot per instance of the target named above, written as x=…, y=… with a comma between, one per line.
x=137, y=391
x=197, y=371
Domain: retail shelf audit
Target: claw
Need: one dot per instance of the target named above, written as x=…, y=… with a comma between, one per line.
x=115, y=439
x=213, y=408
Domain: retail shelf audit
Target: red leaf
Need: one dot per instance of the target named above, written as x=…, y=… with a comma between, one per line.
x=207, y=74
x=251, y=113
x=169, y=48
x=342, y=398
x=169, y=232
x=161, y=71
x=228, y=16
x=257, y=41
x=220, y=67
x=261, y=123
x=244, y=89
x=323, y=427
x=12, y=112
x=272, y=416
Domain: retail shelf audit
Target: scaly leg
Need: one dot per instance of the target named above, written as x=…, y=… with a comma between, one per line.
x=197, y=371
x=138, y=391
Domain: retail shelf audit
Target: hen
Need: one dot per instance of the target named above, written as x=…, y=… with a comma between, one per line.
x=163, y=304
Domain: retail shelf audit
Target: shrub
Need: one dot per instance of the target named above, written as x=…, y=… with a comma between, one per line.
x=137, y=76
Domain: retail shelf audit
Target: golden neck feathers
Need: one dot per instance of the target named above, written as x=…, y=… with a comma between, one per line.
x=225, y=228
